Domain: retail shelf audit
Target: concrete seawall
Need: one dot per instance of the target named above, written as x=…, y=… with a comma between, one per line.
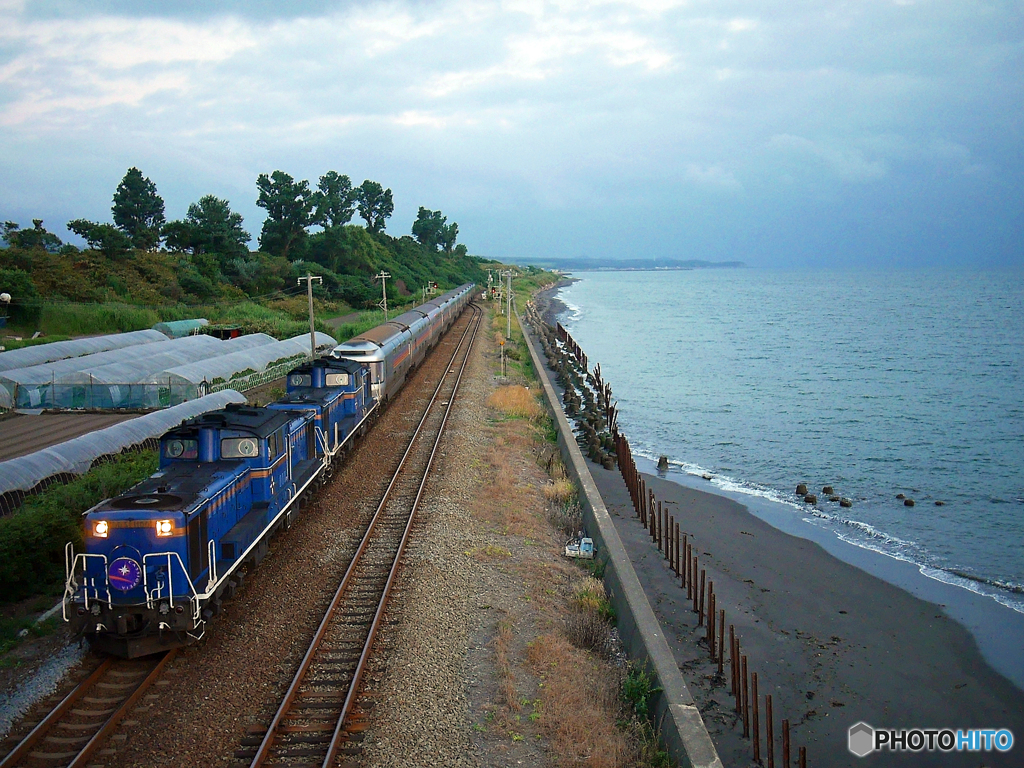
x=679, y=720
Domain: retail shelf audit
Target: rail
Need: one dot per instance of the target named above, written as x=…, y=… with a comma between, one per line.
x=373, y=569
x=142, y=674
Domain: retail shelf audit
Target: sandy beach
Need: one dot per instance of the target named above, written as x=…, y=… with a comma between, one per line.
x=833, y=644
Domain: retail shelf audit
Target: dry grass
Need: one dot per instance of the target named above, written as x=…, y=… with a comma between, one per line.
x=567, y=518
x=580, y=705
x=503, y=650
x=516, y=401
x=559, y=491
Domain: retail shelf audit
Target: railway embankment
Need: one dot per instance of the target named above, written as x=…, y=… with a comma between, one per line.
x=679, y=719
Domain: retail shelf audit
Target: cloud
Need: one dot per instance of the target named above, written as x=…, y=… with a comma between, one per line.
x=504, y=111
x=848, y=163
x=712, y=176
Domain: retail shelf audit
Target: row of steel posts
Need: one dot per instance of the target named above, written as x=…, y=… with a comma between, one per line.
x=683, y=561
x=678, y=549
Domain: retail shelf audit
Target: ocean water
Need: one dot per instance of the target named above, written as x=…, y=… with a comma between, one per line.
x=874, y=383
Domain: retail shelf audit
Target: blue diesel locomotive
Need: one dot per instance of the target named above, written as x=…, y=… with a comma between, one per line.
x=161, y=557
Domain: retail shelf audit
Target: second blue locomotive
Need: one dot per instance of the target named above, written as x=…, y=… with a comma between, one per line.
x=159, y=559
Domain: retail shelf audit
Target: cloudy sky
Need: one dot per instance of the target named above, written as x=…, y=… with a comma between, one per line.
x=802, y=133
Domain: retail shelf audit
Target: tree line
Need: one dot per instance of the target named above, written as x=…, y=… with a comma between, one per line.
x=214, y=245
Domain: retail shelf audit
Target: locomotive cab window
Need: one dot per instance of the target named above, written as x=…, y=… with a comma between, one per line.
x=275, y=444
x=181, y=449
x=239, y=448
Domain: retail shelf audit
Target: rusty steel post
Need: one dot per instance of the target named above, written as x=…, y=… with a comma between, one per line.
x=709, y=633
x=688, y=578
x=721, y=640
x=769, y=737
x=736, y=674
x=676, y=539
x=700, y=611
x=732, y=660
x=746, y=698
x=756, y=725
x=785, y=744
x=696, y=600
x=802, y=758
x=732, y=647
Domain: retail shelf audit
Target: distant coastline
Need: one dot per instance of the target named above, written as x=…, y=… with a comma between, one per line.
x=632, y=265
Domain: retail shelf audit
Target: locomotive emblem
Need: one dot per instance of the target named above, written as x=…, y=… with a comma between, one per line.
x=124, y=574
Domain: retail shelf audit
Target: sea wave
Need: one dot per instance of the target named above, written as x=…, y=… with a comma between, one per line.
x=865, y=536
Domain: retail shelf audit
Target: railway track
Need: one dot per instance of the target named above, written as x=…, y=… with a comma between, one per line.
x=80, y=724
x=319, y=718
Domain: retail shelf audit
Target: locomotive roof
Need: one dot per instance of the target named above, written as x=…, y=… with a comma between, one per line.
x=260, y=421
x=320, y=396
x=178, y=486
x=331, y=364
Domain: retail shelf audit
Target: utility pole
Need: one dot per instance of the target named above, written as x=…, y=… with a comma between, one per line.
x=508, y=274
x=383, y=277
x=309, y=292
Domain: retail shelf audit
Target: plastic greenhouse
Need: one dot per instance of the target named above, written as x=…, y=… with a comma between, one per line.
x=60, y=350
x=54, y=464
x=175, y=329
x=240, y=370
x=128, y=384
x=36, y=387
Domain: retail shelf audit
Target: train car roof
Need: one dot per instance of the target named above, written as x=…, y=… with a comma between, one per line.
x=382, y=334
x=406, y=319
x=261, y=422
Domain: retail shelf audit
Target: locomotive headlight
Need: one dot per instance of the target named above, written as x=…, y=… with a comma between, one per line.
x=101, y=528
x=164, y=527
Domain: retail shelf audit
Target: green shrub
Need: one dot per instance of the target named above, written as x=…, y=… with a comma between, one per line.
x=32, y=540
x=637, y=690
x=85, y=319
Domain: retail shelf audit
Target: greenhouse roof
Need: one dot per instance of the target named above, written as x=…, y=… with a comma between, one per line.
x=76, y=456
x=48, y=372
x=175, y=329
x=255, y=359
x=60, y=350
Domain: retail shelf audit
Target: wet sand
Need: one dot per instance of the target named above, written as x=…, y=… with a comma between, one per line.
x=833, y=644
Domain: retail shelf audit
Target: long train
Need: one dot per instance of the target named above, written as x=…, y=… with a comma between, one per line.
x=161, y=557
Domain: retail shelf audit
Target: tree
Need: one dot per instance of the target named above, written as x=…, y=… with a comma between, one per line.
x=428, y=227
x=209, y=227
x=105, y=238
x=335, y=200
x=37, y=237
x=447, y=237
x=375, y=205
x=25, y=307
x=289, y=205
x=138, y=210
x=432, y=230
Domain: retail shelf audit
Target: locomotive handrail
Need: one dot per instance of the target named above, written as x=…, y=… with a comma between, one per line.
x=194, y=595
x=211, y=553
x=72, y=590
